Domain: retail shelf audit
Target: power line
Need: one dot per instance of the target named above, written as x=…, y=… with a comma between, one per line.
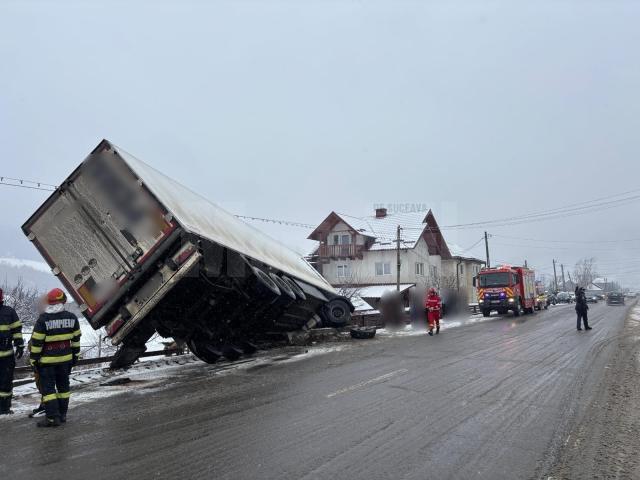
x=273, y=220
x=567, y=241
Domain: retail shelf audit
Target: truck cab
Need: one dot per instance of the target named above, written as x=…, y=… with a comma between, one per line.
x=506, y=288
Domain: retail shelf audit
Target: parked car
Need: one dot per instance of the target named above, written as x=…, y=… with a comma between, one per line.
x=592, y=299
x=564, y=297
x=631, y=294
x=615, y=298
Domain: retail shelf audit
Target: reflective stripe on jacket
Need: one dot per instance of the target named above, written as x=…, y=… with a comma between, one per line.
x=10, y=331
x=55, y=338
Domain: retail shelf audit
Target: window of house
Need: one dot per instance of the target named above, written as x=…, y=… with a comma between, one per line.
x=461, y=268
x=336, y=239
x=420, y=269
x=383, y=268
x=434, y=272
x=343, y=270
x=345, y=239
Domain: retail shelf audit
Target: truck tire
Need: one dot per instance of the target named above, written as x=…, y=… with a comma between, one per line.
x=284, y=287
x=362, y=333
x=264, y=285
x=295, y=287
x=208, y=353
x=336, y=313
x=486, y=313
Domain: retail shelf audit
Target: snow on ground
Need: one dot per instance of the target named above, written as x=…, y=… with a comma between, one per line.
x=156, y=374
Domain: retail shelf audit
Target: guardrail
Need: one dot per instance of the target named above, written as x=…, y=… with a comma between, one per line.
x=92, y=361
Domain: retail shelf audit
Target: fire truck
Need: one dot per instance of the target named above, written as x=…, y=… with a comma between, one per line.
x=506, y=288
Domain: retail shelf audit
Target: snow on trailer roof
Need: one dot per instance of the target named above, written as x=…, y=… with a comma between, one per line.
x=198, y=215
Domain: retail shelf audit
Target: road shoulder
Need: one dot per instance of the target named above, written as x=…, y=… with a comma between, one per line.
x=605, y=443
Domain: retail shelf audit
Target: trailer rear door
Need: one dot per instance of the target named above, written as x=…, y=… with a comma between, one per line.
x=97, y=227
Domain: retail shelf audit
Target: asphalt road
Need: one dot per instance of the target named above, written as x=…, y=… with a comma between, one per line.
x=490, y=400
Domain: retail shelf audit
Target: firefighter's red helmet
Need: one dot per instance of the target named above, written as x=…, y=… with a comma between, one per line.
x=56, y=296
x=432, y=291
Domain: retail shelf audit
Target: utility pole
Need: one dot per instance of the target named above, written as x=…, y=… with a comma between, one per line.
x=398, y=258
x=555, y=276
x=486, y=247
x=525, y=264
x=564, y=284
x=569, y=273
x=458, y=275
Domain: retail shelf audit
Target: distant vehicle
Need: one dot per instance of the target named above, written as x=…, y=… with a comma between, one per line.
x=564, y=297
x=615, y=298
x=592, y=299
x=542, y=301
x=506, y=288
x=551, y=299
x=140, y=254
x=573, y=297
x=541, y=297
x=631, y=294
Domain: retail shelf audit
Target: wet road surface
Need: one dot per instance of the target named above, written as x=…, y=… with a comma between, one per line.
x=490, y=400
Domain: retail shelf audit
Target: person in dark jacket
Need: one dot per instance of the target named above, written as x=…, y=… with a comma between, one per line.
x=10, y=337
x=55, y=349
x=581, y=308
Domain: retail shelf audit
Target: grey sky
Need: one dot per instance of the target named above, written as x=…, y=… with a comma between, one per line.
x=293, y=109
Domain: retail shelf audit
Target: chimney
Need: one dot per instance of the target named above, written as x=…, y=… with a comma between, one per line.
x=381, y=212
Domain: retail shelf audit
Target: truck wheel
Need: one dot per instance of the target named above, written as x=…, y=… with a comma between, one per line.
x=486, y=313
x=295, y=287
x=204, y=351
x=264, y=285
x=336, y=313
x=284, y=287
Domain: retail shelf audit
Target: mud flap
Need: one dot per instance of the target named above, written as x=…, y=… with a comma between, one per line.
x=126, y=356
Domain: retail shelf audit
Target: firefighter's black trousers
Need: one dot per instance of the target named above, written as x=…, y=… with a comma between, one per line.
x=54, y=385
x=582, y=315
x=7, y=366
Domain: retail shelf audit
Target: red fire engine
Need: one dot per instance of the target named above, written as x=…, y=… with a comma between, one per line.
x=506, y=288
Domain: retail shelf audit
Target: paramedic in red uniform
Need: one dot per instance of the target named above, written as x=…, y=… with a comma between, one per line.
x=433, y=306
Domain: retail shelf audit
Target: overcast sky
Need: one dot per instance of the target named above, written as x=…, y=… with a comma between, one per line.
x=291, y=109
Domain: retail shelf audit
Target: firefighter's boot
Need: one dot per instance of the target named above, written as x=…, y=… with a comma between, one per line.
x=5, y=406
x=48, y=422
x=37, y=411
x=438, y=329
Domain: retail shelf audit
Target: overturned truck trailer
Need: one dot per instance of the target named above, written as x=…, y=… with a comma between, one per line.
x=141, y=253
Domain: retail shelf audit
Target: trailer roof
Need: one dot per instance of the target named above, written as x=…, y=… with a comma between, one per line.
x=198, y=215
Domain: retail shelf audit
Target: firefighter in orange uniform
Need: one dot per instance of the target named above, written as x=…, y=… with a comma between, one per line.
x=433, y=306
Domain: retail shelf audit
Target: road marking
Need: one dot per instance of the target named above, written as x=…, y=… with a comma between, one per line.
x=381, y=378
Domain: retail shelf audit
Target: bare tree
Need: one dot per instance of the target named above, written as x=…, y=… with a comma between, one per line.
x=24, y=300
x=584, y=271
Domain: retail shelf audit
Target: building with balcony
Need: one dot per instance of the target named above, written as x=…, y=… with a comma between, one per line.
x=362, y=251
